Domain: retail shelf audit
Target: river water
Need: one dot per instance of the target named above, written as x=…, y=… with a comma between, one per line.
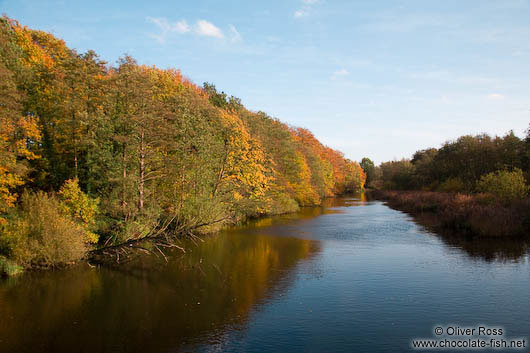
x=351, y=276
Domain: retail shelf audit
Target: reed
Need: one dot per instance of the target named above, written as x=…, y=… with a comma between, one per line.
x=478, y=215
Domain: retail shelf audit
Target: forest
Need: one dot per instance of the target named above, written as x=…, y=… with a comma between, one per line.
x=476, y=185
x=94, y=155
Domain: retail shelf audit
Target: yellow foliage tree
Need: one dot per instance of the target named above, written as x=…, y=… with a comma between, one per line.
x=18, y=133
x=80, y=207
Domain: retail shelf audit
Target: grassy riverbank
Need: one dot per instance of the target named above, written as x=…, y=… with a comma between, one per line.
x=477, y=215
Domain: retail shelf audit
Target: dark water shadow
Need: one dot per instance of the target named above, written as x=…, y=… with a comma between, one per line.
x=482, y=249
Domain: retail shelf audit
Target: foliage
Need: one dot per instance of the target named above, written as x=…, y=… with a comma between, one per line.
x=475, y=215
x=457, y=166
x=369, y=168
x=129, y=150
x=397, y=174
x=41, y=234
x=18, y=132
x=452, y=185
x=9, y=268
x=504, y=184
x=79, y=206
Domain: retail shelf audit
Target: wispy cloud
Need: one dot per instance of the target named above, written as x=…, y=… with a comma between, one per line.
x=202, y=28
x=235, y=36
x=301, y=13
x=306, y=9
x=167, y=27
x=208, y=29
x=340, y=73
x=164, y=25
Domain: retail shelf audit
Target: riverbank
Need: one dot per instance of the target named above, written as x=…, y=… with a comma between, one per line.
x=159, y=243
x=470, y=215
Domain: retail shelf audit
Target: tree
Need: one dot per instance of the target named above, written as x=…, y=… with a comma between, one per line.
x=19, y=132
x=425, y=172
x=504, y=184
x=397, y=175
x=369, y=168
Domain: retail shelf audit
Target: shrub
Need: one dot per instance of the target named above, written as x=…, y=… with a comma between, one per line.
x=79, y=206
x=476, y=215
x=41, y=234
x=452, y=185
x=8, y=267
x=504, y=184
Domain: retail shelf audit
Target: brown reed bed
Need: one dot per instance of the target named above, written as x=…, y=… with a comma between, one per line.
x=471, y=215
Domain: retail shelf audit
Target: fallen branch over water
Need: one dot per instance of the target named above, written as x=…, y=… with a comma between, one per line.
x=153, y=243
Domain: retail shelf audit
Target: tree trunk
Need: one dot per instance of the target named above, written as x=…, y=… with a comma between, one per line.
x=142, y=172
x=123, y=181
x=74, y=140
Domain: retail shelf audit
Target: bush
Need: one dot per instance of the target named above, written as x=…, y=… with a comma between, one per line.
x=41, y=234
x=9, y=268
x=452, y=185
x=80, y=207
x=503, y=184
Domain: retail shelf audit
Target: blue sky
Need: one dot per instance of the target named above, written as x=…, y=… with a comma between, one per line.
x=371, y=78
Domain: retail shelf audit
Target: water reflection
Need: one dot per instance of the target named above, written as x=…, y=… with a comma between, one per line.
x=486, y=249
x=360, y=278
x=489, y=250
x=146, y=307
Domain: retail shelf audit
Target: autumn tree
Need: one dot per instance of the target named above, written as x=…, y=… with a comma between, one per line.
x=19, y=132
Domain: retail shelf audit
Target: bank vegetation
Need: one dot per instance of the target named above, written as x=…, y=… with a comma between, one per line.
x=94, y=156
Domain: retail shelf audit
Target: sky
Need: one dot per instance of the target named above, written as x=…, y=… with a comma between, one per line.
x=379, y=79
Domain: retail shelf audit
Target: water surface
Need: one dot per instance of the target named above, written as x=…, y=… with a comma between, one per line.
x=350, y=276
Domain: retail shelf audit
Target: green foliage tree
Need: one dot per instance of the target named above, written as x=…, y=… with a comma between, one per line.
x=369, y=168
x=397, y=175
x=504, y=184
x=458, y=165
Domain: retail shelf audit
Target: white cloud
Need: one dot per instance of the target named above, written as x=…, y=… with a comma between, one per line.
x=164, y=25
x=167, y=27
x=496, y=96
x=208, y=29
x=201, y=28
x=235, y=36
x=300, y=13
x=341, y=72
x=181, y=27
x=306, y=9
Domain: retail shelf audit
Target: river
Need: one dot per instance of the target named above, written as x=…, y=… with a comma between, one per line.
x=353, y=275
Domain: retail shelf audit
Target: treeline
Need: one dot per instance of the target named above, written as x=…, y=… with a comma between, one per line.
x=476, y=185
x=94, y=155
x=468, y=164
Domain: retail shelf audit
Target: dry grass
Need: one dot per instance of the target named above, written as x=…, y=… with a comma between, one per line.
x=477, y=215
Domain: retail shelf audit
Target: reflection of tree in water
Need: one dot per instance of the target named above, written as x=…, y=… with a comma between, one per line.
x=329, y=206
x=487, y=249
x=490, y=249
x=146, y=307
